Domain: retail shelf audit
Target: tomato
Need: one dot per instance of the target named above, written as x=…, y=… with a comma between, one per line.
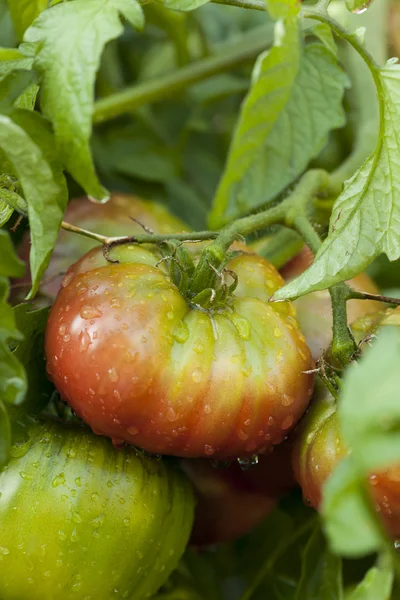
x=317, y=450
x=80, y=519
x=314, y=310
x=232, y=501
x=139, y=363
x=114, y=218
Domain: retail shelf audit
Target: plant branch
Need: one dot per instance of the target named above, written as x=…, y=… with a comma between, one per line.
x=142, y=238
x=252, y=4
x=354, y=295
x=132, y=97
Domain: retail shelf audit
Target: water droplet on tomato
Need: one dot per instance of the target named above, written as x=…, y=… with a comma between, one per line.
x=207, y=409
x=90, y=312
x=197, y=375
x=58, y=480
x=277, y=332
x=84, y=341
x=242, y=435
x=68, y=277
x=287, y=422
x=4, y=551
x=208, y=450
x=62, y=329
x=78, y=482
x=171, y=414
x=133, y=430
x=287, y=400
x=113, y=375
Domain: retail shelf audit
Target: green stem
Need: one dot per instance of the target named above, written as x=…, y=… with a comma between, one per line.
x=151, y=91
x=142, y=238
x=252, y=4
x=343, y=343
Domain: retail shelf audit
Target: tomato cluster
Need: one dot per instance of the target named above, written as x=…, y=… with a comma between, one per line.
x=142, y=363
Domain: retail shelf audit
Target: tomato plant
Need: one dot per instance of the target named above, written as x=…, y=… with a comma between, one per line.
x=168, y=169
x=81, y=519
x=178, y=380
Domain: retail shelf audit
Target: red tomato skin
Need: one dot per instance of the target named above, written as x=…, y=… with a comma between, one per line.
x=317, y=450
x=232, y=501
x=139, y=364
x=314, y=311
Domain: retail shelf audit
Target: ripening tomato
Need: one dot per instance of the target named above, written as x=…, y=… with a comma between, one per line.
x=317, y=450
x=114, y=218
x=314, y=310
x=139, y=363
x=232, y=501
x=79, y=519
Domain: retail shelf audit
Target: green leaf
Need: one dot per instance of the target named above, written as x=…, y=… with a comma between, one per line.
x=27, y=141
x=365, y=221
x=278, y=156
x=321, y=575
x=11, y=59
x=30, y=353
x=10, y=265
x=24, y=12
x=377, y=583
x=14, y=85
x=373, y=432
x=183, y=5
x=5, y=211
x=324, y=33
x=12, y=374
x=5, y=436
x=274, y=76
x=71, y=37
x=348, y=519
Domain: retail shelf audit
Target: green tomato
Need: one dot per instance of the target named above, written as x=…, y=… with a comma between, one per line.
x=81, y=520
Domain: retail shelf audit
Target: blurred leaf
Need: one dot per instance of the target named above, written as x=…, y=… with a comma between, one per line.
x=5, y=436
x=71, y=37
x=205, y=578
x=7, y=31
x=6, y=211
x=14, y=85
x=27, y=141
x=324, y=33
x=12, y=374
x=30, y=353
x=186, y=203
x=365, y=221
x=273, y=78
x=265, y=158
x=377, y=583
x=10, y=265
x=24, y=12
x=183, y=5
x=349, y=521
x=369, y=417
x=321, y=577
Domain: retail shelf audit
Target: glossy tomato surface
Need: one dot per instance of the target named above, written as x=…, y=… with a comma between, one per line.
x=318, y=449
x=81, y=520
x=314, y=311
x=114, y=218
x=231, y=501
x=140, y=364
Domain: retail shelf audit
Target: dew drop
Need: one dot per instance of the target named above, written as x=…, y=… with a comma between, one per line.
x=90, y=312
x=287, y=422
x=66, y=337
x=207, y=409
x=208, y=450
x=58, y=480
x=198, y=347
x=84, y=341
x=68, y=277
x=133, y=430
x=113, y=375
x=287, y=400
x=4, y=551
x=242, y=435
x=171, y=414
x=62, y=329
x=277, y=332
x=197, y=375
x=181, y=332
